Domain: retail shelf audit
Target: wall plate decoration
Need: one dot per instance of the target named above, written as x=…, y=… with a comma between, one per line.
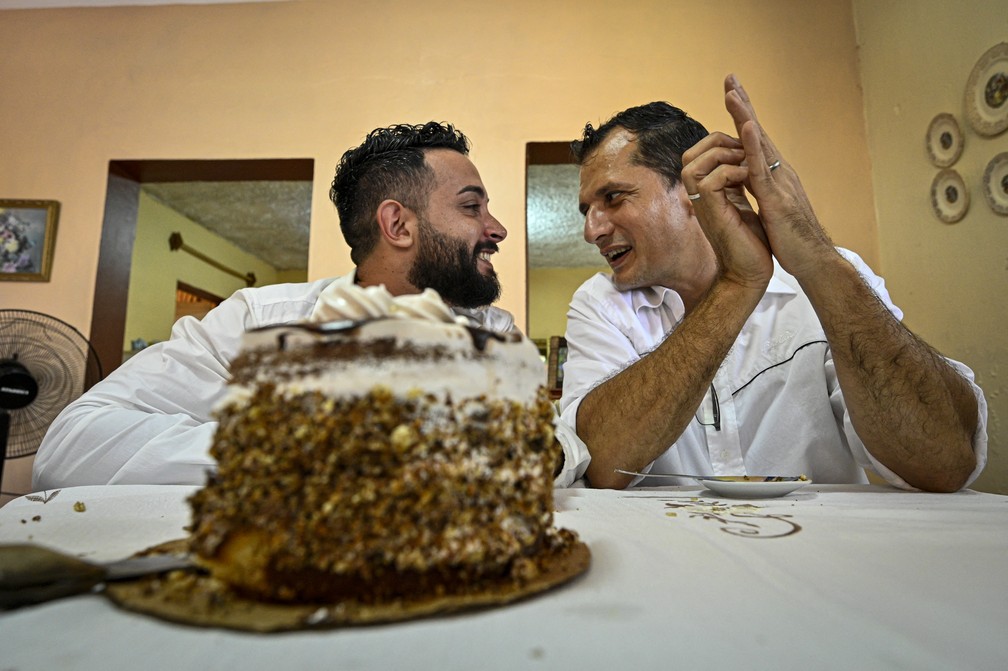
x=944, y=140
x=987, y=92
x=995, y=183
x=949, y=197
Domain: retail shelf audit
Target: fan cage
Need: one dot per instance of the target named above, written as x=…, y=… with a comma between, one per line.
x=63, y=364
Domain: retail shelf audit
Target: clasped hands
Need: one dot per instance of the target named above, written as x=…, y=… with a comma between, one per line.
x=717, y=173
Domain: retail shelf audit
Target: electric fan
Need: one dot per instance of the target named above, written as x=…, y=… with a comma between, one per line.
x=44, y=365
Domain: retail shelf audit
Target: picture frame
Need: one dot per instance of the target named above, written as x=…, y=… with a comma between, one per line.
x=557, y=359
x=27, y=239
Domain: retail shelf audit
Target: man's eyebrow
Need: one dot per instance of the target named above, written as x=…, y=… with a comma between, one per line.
x=472, y=188
x=601, y=191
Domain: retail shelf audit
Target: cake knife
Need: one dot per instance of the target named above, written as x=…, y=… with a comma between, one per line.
x=728, y=478
x=33, y=574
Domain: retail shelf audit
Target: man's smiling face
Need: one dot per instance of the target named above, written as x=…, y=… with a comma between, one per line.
x=645, y=230
x=457, y=235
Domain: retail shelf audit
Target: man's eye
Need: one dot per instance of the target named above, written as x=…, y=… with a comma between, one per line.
x=474, y=208
x=612, y=196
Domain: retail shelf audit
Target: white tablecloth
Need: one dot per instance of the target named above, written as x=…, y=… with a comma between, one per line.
x=846, y=577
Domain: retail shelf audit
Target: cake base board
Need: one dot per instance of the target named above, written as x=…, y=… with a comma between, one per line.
x=197, y=599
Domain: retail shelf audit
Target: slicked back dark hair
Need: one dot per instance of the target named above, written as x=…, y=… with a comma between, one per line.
x=663, y=133
x=388, y=164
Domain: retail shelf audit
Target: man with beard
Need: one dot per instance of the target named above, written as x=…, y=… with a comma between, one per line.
x=413, y=210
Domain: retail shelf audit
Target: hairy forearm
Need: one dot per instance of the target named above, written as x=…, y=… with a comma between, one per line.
x=629, y=420
x=912, y=410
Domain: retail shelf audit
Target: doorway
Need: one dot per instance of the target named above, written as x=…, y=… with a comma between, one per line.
x=559, y=260
x=126, y=180
x=192, y=301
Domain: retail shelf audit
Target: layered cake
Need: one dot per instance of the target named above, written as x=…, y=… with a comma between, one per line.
x=385, y=452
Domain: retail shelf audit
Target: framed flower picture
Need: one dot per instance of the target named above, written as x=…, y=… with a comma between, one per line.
x=27, y=239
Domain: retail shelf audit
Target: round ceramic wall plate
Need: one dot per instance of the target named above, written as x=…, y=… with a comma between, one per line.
x=995, y=183
x=944, y=140
x=949, y=197
x=987, y=92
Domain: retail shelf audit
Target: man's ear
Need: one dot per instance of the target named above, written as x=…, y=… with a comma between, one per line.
x=397, y=223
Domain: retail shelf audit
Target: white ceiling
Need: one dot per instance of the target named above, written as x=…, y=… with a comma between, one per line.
x=269, y=220
x=554, y=224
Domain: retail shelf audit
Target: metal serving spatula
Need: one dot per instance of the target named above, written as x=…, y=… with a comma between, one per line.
x=33, y=574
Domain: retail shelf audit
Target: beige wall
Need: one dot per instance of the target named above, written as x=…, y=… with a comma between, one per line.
x=951, y=280
x=309, y=79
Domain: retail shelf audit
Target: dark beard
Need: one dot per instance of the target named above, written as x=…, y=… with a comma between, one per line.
x=447, y=266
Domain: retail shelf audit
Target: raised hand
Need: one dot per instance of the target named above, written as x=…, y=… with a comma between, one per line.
x=912, y=410
x=714, y=174
x=792, y=229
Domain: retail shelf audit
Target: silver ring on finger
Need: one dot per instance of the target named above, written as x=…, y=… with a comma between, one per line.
x=693, y=196
x=773, y=166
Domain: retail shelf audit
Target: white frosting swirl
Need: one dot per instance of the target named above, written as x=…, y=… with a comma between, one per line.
x=348, y=301
x=503, y=367
x=427, y=305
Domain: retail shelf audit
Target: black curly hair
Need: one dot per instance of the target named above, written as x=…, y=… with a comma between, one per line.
x=663, y=133
x=388, y=164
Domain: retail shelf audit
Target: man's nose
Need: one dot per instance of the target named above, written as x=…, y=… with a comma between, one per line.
x=494, y=229
x=596, y=226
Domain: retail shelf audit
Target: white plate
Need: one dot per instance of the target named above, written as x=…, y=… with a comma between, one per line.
x=995, y=183
x=987, y=92
x=944, y=140
x=752, y=489
x=949, y=196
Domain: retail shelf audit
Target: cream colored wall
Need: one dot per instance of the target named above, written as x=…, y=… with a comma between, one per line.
x=553, y=290
x=310, y=79
x=156, y=270
x=951, y=280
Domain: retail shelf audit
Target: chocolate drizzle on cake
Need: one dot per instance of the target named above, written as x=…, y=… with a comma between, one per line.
x=480, y=336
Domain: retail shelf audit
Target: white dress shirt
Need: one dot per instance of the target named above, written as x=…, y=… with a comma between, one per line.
x=149, y=422
x=775, y=406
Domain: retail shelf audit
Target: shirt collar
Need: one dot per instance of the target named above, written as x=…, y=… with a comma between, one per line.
x=653, y=297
